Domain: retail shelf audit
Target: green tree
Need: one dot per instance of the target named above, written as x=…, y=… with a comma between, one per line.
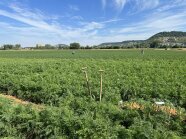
x=154, y=44
x=8, y=46
x=74, y=45
x=88, y=47
x=17, y=46
x=49, y=46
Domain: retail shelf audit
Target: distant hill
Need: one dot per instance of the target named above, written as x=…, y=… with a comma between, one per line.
x=168, y=39
x=123, y=42
x=173, y=39
x=169, y=34
x=128, y=43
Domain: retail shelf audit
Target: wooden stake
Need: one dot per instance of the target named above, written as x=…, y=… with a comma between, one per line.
x=87, y=81
x=101, y=85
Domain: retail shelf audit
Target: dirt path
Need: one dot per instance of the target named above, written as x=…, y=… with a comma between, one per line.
x=21, y=102
x=167, y=109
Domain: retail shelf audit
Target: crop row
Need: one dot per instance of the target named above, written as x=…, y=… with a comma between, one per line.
x=46, y=81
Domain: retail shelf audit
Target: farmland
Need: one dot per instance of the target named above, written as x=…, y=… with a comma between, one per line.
x=54, y=81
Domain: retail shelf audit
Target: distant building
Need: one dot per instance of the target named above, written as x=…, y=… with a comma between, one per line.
x=28, y=48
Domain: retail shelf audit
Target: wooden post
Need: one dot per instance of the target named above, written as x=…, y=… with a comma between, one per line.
x=142, y=52
x=87, y=81
x=101, y=85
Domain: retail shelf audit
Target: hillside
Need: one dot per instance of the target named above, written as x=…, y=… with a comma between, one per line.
x=127, y=43
x=171, y=39
x=123, y=42
x=177, y=34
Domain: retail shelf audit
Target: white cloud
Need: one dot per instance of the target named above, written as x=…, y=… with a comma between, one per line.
x=93, y=26
x=119, y=4
x=112, y=20
x=33, y=22
x=104, y=3
x=172, y=4
x=77, y=17
x=137, y=5
x=141, y=5
x=38, y=30
x=74, y=7
x=153, y=23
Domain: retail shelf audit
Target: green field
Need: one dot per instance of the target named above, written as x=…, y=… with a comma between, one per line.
x=94, y=54
x=54, y=79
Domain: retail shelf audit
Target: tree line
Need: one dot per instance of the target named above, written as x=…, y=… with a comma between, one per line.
x=10, y=47
x=75, y=45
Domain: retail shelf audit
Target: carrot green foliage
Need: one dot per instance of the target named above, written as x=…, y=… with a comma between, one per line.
x=54, y=79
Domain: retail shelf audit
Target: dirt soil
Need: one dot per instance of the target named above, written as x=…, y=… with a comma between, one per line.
x=21, y=102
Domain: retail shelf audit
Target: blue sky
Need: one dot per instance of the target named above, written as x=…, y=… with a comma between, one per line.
x=91, y=22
